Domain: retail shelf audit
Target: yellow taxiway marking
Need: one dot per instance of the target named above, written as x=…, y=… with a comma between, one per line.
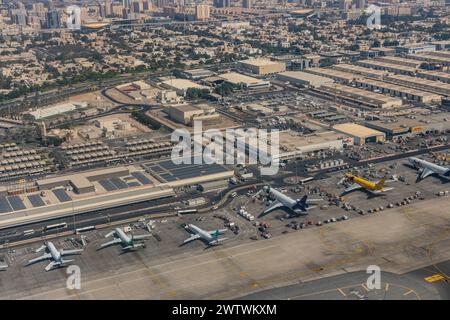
x=365, y=288
x=172, y=294
x=342, y=292
x=433, y=278
x=406, y=293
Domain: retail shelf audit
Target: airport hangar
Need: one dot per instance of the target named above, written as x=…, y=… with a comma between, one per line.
x=262, y=66
x=408, y=126
x=243, y=81
x=89, y=191
x=360, y=134
x=293, y=145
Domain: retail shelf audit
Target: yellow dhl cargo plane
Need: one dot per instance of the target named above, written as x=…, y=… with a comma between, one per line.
x=360, y=183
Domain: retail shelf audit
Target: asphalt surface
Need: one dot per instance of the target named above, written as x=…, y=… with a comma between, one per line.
x=353, y=286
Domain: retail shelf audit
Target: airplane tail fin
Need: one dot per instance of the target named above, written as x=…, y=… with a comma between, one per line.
x=216, y=234
x=380, y=184
x=302, y=201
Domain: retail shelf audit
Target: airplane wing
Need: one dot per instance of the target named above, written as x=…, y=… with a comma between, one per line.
x=220, y=231
x=50, y=266
x=193, y=237
x=110, y=243
x=41, y=248
x=353, y=187
x=276, y=204
x=43, y=257
x=425, y=173
x=313, y=200
x=110, y=234
x=69, y=252
x=142, y=237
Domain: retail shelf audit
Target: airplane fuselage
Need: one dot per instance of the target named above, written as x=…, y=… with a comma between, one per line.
x=56, y=255
x=123, y=237
x=284, y=199
x=202, y=233
x=366, y=184
x=423, y=164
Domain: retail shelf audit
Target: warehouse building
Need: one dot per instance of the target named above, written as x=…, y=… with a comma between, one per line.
x=415, y=48
x=360, y=134
x=243, y=81
x=378, y=65
x=398, y=91
x=196, y=74
x=58, y=109
x=412, y=125
x=434, y=75
x=397, y=127
x=187, y=114
x=444, y=54
x=360, y=96
x=401, y=61
x=366, y=72
x=420, y=83
x=213, y=186
x=336, y=75
x=384, y=51
x=304, y=78
x=262, y=66
x=293, y=144
x=445, y=61
x=180, y=86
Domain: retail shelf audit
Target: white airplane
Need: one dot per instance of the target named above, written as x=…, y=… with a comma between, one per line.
x=210, y=237
x=427, y=168
x=298, y=207
x=128, y=242
x=54, y=254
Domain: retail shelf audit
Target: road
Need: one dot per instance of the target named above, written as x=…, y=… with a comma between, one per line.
x=9, y=236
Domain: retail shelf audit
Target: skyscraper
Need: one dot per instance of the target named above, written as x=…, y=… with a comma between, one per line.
x=360, y=4
x=52, y=19
x=248, y=4
x=202, y=12
x=222, y=3
x=345, y=5
x=107, y=8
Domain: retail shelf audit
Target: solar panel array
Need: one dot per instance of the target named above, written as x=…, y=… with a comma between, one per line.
x=170, y=171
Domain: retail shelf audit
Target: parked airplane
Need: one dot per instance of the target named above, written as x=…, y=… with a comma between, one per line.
x=54, y=254
x=128, y=242
x=361, y=183
x=210, y=237
x=297, y=207
x=427, y=168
